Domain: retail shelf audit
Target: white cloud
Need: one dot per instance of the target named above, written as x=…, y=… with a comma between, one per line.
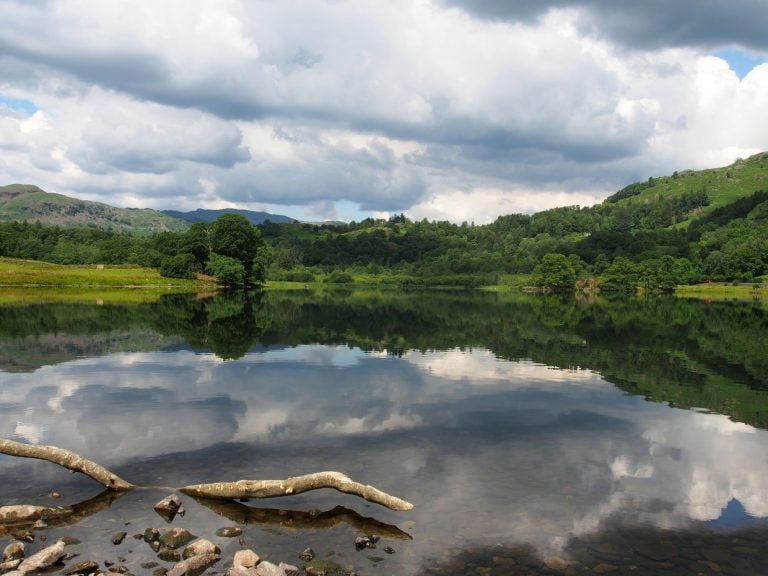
x=400, y=106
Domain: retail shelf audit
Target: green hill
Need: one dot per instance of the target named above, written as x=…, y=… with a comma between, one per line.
x=23, y=202
x=721, y=185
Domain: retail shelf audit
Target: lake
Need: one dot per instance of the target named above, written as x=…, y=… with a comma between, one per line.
x=534, y=435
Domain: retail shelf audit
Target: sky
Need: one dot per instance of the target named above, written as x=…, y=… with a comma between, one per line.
x=460, y=110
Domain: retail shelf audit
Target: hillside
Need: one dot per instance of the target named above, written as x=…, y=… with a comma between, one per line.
x=721, y=185
x=23, y=202
x=202, y=215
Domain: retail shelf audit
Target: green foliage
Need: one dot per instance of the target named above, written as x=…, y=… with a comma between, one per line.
x=340, y=277
x=622, y=275
x=631, y=190
x=644, y=224
x=232, y=235
x=554, y=272
x=179, y=266
x=227, y=271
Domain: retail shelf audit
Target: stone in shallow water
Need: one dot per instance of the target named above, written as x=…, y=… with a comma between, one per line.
x=194, y=565
x=176, y=538
x=13, y=551
x=85, y=567
x=268, y=569
x=307, y=554
x=43, y=559
x=246, y=559
x=118, y=538
x=289, y=569
x=169, y=555
x=229, y=532
x=200, y=547
x=151, y=535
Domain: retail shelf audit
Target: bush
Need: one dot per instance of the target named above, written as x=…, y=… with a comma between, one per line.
x=340, y=277
x=179, y=266
x=227, y=271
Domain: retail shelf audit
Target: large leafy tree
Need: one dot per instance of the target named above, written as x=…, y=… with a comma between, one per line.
x=554, y=272
x=233, y=236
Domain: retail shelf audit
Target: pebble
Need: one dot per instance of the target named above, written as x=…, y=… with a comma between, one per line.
x=85, y=567
x=307, y=555
x=229, y=532
x=118, y=538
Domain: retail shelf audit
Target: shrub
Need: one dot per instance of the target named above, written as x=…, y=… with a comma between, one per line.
x=179, y=266
x=227, y=271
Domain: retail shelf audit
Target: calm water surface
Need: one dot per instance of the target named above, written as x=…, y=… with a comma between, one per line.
x=533, y=435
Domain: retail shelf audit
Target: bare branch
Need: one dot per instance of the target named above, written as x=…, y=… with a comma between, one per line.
x=295, y=485
x=67, y=459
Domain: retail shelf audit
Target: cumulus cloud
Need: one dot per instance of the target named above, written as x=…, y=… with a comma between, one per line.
x=387, y=107
x=649, y=24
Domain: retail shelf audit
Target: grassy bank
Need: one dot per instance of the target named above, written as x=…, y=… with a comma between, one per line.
x=18, y=273
x=723, y=291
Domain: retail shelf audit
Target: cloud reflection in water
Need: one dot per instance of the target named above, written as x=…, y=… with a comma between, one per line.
x=503, y=450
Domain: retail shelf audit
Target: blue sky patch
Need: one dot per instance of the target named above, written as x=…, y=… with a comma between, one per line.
x=26, y=106
x=740, y=62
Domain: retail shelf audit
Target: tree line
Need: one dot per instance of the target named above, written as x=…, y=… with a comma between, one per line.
x=619, y=246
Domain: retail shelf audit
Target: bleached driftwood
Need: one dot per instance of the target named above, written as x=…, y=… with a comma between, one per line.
x=68, y=460
x=220, y=490
x=295, y=485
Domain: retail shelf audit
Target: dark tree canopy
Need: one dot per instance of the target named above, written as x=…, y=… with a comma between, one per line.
x=232, y=235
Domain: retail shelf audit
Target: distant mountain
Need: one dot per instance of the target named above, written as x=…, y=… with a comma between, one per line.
x=26, y=202
x=201, y=215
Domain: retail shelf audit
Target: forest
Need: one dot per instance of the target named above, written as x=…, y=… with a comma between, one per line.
x=622, y=244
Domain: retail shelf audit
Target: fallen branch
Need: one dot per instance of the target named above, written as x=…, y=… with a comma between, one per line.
x=68, y=460
x=220, y=490
x=295, y=485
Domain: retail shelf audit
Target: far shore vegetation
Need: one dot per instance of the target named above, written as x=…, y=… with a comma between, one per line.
x=669, y=234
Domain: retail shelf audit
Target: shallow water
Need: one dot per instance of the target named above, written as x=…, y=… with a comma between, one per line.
x=519, y=428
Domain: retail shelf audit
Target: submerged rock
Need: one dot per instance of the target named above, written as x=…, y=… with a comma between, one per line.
x=176, y=538
x=194, y=565
x=229, y=532
x=151, y=535
x=289, y=569
x=43, y=559
x=246, y=559
x=85, y=567
x=265, y=568
x=201, y=547
x=13, y=551
x=118, y=538
x=169, y=555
